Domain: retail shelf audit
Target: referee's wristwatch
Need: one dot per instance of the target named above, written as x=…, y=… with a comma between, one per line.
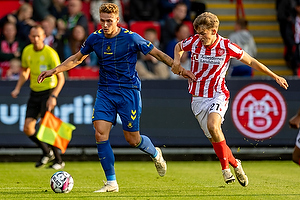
x=52, y=95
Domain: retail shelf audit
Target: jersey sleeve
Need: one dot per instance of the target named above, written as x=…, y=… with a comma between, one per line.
x=87, y=47
x=186, y=44
x=141, y=44
x=235, y=51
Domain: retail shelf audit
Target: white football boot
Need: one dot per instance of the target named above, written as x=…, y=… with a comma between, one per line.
x=228, y=176
x=160, y=163
x=109, y=188
x=240, y=174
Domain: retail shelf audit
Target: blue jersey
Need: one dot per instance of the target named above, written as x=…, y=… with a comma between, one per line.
x=117, y=58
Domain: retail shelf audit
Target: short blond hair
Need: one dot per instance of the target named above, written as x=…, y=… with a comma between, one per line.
x=109, y=8
x=206, y=20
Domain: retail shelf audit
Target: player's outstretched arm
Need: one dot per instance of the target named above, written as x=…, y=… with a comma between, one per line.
x=255, y=64
x=68, y=64
x=176, y=67
x=161, y=56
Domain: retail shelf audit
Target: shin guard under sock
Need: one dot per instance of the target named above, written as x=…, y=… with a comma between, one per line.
x=107, y=159
x=221, y=151
x=146, y=146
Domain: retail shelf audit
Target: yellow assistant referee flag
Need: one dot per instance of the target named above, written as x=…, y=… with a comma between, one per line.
x=55, y=132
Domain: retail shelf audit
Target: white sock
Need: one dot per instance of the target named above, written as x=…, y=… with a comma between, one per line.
x=112, y=183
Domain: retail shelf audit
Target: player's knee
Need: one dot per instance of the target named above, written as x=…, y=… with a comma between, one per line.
x=213, y=128
x=132, y=142
x=100, y=137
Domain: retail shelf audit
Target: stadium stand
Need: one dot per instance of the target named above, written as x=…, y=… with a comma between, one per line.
x=140, y=27
x=83, y=73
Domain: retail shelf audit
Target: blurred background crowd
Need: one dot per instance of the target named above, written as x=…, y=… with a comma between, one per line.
x=67, y=23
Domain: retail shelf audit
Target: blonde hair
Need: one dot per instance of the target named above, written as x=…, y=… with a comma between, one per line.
x=109, y=8
x=206, y=20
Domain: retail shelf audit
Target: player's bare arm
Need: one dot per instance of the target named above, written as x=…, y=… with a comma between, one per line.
x=161, y=56
x=68, y=64
x=294, y=122
x=176, y=67
x=51, y=103
x=255, y=64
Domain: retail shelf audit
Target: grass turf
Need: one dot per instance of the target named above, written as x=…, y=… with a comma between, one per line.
x=139, y=180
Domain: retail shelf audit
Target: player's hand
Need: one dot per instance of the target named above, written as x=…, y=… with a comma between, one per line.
x=44, y=75
x=188, y=74
x=179, y=70
x=282, y=82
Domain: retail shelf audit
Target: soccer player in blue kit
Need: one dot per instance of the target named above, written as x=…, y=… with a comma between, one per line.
x=118, y=88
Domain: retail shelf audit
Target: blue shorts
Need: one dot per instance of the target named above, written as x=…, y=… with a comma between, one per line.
x=125, y=102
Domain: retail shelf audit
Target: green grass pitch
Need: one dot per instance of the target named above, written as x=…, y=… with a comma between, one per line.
x=139, y=180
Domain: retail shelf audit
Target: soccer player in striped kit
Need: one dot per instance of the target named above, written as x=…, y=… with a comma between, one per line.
x=210, y=56
x=118, y=88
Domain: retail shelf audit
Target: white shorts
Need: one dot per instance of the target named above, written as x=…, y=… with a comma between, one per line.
x=203, y=106
x=298, y=140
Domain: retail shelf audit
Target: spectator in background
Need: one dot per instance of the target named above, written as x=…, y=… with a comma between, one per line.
x=285, y=14
x=242, y=37
x=295, y=26
x=58, y=9
x=13, y=73
x=10, y=46
x=182, y=31
x=23, y=21
x=197, y=8
x=144, y=10
x=167, y=7
x=294, y=122
x=75, y=41
x=148, y=67
x=40, y=9
x=53, y=37
x=95, y=5
x=73, y=18
x=170, y=24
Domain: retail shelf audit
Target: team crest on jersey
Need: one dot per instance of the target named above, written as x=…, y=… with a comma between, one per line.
x=43, y=68
x=129, y=125
x=108, y=49
x=220, y=52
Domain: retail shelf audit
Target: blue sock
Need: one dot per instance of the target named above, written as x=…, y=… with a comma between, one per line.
x=146, y=146
x=107, y=159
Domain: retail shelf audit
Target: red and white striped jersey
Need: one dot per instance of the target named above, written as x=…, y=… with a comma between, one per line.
x=209, y=64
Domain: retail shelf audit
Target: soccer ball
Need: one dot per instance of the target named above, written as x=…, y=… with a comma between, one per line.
x=61, y=182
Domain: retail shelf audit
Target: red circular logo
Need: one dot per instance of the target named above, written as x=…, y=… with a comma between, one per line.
x=259, y=111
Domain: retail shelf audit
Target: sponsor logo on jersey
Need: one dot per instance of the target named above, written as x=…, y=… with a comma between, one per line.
x=258, y=111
